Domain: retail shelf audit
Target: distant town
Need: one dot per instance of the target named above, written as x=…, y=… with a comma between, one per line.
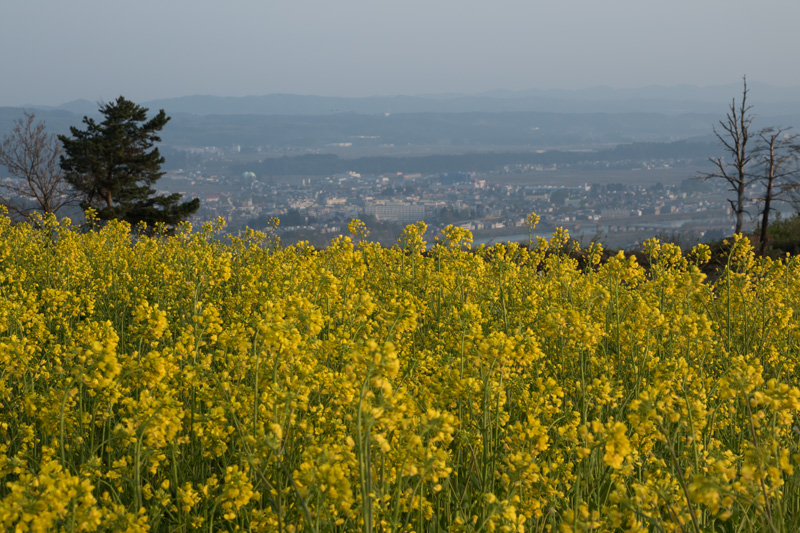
x=620, y=207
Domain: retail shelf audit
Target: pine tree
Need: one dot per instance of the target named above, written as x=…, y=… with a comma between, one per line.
x=113, y=165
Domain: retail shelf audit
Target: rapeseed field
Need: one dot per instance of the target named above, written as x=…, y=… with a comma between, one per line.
x=189, y=383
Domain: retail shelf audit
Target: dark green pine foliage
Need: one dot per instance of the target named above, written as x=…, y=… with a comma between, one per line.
x=114, y=166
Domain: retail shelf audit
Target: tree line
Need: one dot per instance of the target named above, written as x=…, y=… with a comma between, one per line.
x=109, y=166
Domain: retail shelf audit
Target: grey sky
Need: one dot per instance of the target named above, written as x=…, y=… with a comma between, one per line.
x=53, y=51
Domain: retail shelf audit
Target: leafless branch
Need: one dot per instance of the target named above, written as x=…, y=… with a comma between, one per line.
x=32, y=157
x=779, y=171
x=733, y=134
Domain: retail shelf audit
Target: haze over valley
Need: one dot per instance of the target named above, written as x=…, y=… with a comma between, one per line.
x=591, y=161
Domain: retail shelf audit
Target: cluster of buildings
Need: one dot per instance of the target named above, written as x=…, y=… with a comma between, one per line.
x=315, y=208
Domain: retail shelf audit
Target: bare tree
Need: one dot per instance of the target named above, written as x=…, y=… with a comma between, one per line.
x=734, y=134
x=32, y=155
x=777, y=154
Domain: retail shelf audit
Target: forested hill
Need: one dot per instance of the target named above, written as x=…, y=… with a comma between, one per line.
x=539, y=130
x=327, y=164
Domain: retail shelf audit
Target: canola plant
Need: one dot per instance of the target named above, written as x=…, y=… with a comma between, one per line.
x=188, y=383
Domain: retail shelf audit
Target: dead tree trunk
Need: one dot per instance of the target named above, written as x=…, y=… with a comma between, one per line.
x=778, y=154
x=734, y=134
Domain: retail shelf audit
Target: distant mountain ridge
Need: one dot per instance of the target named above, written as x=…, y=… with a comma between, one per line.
x=536, y=119
x=679, y=99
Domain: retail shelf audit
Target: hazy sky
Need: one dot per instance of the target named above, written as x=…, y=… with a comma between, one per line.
x=54, y=51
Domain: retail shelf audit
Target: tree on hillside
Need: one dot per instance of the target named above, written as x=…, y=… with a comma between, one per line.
x=734, y=133
x=779, y=173
x=113, y=165
x=31, y=156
